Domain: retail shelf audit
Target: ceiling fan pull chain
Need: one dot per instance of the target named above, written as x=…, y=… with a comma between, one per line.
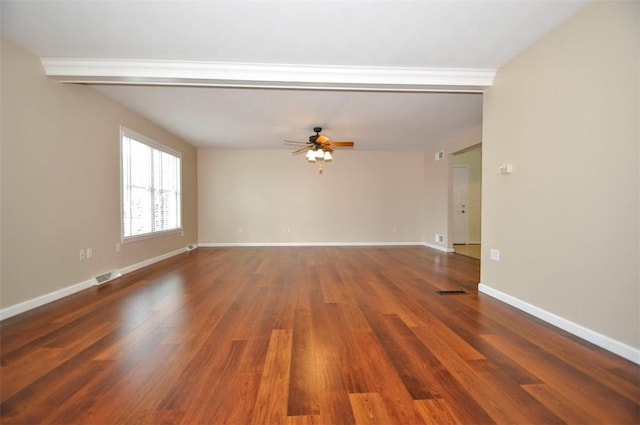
x=320, y=168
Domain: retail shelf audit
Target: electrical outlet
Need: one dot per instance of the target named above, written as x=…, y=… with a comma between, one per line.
x=495, y=254
x=439, y=238
x=506, y=169
x=117, y=246
x=82, y=255
x=89, y=253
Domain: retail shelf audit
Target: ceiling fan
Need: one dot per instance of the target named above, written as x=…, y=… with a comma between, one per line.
x=318, y=147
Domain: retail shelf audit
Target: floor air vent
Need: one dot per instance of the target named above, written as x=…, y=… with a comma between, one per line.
x=107, y=277
x=452, y=292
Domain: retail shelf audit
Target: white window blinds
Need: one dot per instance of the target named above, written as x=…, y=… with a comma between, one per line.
x=150, y=187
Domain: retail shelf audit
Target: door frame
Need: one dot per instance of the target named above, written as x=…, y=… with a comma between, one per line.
x=449, y=223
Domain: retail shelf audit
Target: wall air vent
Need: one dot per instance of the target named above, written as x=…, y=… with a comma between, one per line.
x=107, y=277
x=451, y=292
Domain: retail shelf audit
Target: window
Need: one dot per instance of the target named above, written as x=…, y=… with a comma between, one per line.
x=150, y=187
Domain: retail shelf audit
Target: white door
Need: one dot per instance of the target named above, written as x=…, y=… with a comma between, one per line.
x=460, y=203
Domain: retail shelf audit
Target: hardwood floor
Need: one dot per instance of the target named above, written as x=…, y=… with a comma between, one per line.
x=303, y=336
x=472, y=250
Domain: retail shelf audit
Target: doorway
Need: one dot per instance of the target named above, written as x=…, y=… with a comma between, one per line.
x=466, y=201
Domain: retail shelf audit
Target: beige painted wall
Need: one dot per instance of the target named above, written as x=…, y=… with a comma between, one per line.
x=60, y=182
x=1, y=167
x=438, y=176
x=265, y=196
x=565, y=114
x=472, y=158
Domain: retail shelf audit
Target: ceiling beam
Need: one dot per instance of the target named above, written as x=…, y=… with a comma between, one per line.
x=227, y=74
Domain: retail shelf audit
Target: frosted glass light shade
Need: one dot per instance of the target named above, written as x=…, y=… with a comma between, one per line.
x=310, y=154
x=327, y=156
x=319, y=154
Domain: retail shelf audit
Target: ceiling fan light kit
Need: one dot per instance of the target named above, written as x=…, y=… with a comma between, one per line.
x=319, y=147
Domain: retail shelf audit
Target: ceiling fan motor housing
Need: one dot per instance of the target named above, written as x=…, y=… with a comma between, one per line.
x=314, y=137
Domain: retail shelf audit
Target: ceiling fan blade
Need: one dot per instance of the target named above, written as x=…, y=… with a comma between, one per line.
x=293, y=142
x=298, y=151
x=342, y=144
x=322, y=139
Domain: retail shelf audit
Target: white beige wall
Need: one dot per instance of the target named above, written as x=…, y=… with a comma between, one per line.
x=60, y=182
x=565, y=114
x=472, y=158
x=269, y=196
x=438, y=189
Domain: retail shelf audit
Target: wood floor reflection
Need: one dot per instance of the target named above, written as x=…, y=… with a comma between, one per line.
x=314, y=335
x=471, y=250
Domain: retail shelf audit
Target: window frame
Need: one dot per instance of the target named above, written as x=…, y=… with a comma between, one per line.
x=126, y=132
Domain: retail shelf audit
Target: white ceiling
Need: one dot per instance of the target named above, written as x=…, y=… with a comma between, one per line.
x=474, y=35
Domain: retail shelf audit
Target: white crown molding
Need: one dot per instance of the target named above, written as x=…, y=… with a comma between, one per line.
x=226, y=74
x=621, y=349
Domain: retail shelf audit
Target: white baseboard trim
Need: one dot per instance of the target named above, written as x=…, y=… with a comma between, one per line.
x=438, y=247
x=621, y=349
x=16, y=309
x=276, y=244
x=153, y=260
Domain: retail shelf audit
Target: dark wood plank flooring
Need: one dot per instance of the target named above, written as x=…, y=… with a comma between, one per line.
x=317, y=335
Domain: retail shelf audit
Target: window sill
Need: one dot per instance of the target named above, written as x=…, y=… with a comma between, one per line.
x=153, y=235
